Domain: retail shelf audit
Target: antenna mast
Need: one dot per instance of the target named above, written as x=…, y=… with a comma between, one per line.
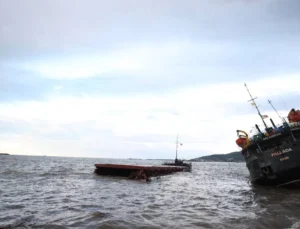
x=176, y=148
x=276, y=111
x=253, y=101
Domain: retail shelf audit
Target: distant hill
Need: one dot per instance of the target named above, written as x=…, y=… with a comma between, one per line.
x=4, y=154
x=229, y=157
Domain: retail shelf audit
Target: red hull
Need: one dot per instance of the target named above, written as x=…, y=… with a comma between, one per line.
x=136, y=172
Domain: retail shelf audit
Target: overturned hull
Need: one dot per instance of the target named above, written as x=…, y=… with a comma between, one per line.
x=136, y=172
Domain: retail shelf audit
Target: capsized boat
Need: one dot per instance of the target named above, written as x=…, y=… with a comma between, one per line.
x=142, y=172
x=272, y=155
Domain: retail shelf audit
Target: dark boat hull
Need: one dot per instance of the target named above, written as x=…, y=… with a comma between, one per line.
x=276, y=166
x=187, y=166
x=136, y=172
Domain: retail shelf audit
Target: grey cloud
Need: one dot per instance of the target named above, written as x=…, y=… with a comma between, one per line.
x=282, y=103
x=73, y=26
x=258, y=38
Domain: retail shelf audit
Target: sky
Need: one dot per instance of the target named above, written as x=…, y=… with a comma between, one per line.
x=123, y=78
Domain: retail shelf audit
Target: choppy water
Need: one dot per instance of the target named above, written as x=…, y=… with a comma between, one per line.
x=52, y=192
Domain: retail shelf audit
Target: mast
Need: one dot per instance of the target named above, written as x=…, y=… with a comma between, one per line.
x=176, y=148
x=276, y=111
x=253, y=101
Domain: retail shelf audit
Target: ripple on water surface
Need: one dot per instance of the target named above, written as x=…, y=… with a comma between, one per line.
x=50, y=192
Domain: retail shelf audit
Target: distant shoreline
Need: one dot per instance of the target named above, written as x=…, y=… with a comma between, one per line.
x=229, y=157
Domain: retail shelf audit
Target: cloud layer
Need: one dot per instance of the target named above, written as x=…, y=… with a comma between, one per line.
x=121, y=79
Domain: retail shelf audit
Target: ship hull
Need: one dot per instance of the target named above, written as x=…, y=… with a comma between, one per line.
x=275, y=166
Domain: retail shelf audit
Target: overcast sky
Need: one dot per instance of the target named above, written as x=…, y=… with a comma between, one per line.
x=121, y=79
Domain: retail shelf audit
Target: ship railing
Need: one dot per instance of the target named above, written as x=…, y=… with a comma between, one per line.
x=294, y=124
x=260, y=136
x=280, y=128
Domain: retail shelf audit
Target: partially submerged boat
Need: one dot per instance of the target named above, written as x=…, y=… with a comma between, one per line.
x=272, y=155
x=136, y=172
x=141, y=172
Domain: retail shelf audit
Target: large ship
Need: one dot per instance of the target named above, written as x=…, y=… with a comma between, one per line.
x=272, y=155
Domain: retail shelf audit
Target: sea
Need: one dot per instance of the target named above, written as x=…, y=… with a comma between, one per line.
x=61, y=192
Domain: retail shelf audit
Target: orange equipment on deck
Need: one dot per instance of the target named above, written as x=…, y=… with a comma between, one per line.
x=294, y=116
x=243, y=140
